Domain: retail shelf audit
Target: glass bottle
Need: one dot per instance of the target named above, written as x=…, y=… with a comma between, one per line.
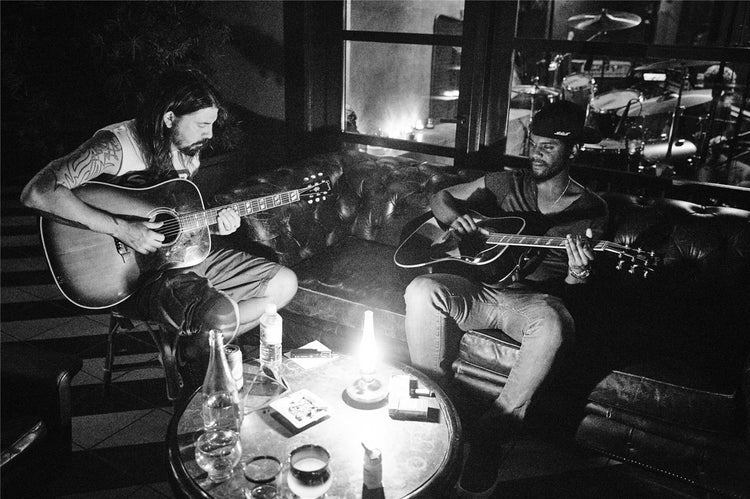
x=221, y=401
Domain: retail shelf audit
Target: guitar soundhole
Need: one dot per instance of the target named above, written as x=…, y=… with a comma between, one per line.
x=170, y=228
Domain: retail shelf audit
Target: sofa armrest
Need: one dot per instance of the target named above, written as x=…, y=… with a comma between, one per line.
x=38, y=382
x=745, y=387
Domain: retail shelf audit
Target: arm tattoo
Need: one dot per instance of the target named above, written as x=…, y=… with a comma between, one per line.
x=102, y=153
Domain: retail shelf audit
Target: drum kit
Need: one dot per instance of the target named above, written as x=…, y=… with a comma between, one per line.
x=640, y=130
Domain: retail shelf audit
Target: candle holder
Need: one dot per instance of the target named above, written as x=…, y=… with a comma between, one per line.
x=368, y=389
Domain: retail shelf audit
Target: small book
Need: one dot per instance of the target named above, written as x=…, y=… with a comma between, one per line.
x=300, y=410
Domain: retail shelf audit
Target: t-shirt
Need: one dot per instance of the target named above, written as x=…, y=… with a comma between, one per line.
x=515, y=191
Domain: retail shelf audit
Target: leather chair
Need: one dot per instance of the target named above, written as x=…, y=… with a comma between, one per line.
x=36, y=417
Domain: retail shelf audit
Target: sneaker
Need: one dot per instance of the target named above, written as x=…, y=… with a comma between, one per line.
x=479, y=476
x=489, y=435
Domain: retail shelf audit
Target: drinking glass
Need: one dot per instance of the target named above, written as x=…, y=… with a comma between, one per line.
x=309, y=473
x=218, y=452
x=263, y=472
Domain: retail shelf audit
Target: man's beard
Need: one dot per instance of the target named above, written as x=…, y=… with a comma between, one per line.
x=548, y=173
x=195, y=148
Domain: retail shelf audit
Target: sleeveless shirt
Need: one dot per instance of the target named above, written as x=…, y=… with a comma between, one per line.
x=132, y=153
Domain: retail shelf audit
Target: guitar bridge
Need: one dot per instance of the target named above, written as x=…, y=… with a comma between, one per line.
x=122, y=249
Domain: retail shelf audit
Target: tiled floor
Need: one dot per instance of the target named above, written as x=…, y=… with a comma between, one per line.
x=118, y=441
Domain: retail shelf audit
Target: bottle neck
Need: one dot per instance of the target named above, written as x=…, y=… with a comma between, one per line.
x=218, y=376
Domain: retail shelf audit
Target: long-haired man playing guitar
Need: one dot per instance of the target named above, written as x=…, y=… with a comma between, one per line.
x=229, y=289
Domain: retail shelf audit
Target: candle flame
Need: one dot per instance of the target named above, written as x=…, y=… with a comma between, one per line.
x=368, y=351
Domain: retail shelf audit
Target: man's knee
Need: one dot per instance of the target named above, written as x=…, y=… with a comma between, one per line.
x=283, y=286
x=556, y=323
x=424, y=292
x=215, y=311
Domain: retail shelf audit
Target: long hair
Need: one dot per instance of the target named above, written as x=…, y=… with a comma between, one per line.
x=182, y=91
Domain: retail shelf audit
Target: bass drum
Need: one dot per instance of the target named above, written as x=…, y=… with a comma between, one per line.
x=604, y=107
x=578, y=88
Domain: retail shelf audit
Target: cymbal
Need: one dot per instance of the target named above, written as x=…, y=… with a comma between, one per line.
x=668, y=103
x=535, y=90
x=673, y=63
x=604, y=21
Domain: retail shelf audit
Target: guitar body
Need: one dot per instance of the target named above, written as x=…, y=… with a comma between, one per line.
x=431, y=246
x=94, y=270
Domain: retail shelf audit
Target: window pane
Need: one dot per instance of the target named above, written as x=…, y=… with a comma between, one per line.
x=705, y=23
x=406, y=16
x=402, y=91
x=623, y=97
x=417, y=157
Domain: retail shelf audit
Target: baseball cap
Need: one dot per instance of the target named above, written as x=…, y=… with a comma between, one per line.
x=564, y=120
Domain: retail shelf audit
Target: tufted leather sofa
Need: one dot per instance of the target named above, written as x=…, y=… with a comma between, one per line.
x=660, y=368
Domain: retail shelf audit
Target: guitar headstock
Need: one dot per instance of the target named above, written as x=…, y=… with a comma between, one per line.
x=636, y=261
x=318, y=186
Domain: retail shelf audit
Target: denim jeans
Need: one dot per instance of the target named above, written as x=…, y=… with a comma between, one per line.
x=440, y=307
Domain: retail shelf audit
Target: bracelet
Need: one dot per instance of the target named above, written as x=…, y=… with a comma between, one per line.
x=580, y=276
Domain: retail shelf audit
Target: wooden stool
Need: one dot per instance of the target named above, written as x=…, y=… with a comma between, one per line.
x=167, y=354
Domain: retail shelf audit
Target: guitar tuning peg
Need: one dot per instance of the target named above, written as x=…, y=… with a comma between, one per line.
x=620, y=264
x=645, y=273
x=306, y=179
x=309, y=201
x=320, y=174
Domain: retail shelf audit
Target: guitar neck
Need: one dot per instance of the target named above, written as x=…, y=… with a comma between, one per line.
x=243, y=208
x=536, y=241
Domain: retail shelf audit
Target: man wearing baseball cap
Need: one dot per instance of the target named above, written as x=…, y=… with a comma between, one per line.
x=440, y=307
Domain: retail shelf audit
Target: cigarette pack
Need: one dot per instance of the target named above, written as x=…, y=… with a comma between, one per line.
x=404, y=404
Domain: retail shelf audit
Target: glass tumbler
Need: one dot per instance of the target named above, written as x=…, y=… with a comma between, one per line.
x=218, y=452
x=262, y=472
x=309, y=474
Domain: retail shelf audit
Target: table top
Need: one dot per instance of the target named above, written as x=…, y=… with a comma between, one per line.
x=418, y=456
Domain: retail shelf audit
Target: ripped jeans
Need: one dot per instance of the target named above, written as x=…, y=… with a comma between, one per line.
x=437, y=303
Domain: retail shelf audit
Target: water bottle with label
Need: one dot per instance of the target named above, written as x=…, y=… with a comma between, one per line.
x=221, y=401
x=270, y=340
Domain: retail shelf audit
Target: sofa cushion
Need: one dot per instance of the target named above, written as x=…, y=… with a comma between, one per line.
x=341, y=282
x=673, y=392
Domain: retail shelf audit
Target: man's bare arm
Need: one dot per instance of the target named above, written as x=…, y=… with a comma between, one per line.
x=447, y=204
x=50, y=193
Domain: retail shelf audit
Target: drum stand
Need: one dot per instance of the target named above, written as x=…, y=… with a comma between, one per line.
x=531, y=117
x=675, y=118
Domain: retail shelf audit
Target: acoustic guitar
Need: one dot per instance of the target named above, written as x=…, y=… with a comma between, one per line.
x=95, y=270
x=487, y=255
